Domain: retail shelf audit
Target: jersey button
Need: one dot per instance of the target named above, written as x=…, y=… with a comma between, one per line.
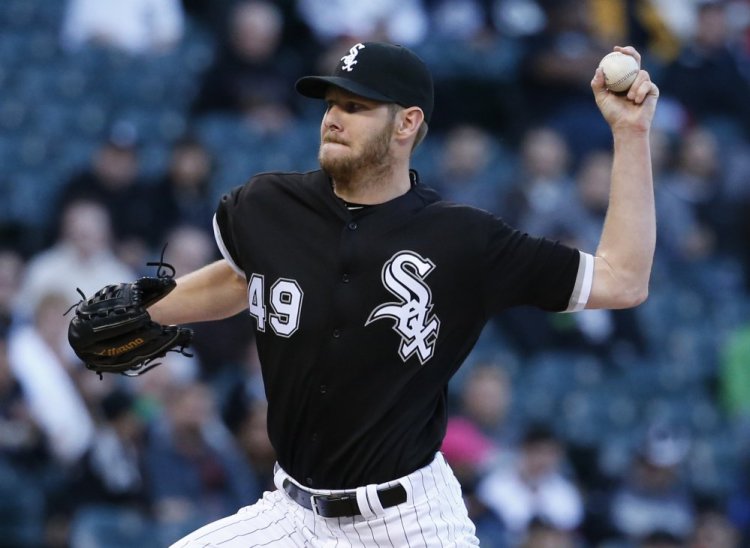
x=353, y=226
x=323, y=389
x=309, y=481
x=345, y=278
x=315, y=437
x=336, y=333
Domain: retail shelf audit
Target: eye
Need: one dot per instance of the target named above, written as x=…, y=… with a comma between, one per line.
x=352, y=106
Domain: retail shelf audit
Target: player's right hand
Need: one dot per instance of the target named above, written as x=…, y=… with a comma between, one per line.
x=633, y=111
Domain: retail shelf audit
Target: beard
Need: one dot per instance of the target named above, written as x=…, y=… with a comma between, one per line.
x=372, y=161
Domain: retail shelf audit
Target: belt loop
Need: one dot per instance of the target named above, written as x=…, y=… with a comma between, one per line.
x=373, y=499
x=406, y=484
x=314, y=505
x=364, y=506
x=278, y=477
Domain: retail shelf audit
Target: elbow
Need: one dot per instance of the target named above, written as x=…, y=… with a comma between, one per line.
x=619, y=287
x=640, y=297
x=633, y=297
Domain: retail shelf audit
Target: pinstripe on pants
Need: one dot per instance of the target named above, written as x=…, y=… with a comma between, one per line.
x=433, y=515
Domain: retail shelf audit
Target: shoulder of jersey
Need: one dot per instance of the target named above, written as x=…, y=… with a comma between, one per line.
x=435, y=203
x=262, y=183
x=283, y=178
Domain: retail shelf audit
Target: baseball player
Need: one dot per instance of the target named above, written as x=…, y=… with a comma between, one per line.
x=368, y=292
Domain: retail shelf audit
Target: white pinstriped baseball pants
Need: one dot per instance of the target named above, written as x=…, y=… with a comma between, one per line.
x=434, y=514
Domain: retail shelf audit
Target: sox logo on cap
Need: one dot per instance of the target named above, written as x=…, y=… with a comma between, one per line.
x=351, y=59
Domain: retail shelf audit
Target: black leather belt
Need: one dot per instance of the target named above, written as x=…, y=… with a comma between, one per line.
x=340, y=505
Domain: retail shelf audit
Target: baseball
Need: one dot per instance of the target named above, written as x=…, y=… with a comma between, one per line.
x=620, y=70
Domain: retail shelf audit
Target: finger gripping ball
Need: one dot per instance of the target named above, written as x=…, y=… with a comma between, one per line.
x=619, y=70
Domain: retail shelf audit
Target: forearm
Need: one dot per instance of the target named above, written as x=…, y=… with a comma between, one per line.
x=210, y=293
x=622, y=266
x=626, y=248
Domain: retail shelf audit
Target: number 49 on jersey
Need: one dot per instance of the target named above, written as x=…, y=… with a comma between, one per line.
x=285, y=303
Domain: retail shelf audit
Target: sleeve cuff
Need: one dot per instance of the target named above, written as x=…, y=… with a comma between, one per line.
x=584, y=280
x=225, y=252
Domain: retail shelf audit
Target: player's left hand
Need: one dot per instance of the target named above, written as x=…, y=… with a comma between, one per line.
x=633, y=110
x=112, y=332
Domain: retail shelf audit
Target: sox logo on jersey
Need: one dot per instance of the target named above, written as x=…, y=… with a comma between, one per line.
x=403, y=275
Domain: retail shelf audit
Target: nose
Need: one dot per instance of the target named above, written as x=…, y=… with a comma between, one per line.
x=331, y=119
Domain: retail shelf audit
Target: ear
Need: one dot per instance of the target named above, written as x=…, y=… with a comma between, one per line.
x=408, y=122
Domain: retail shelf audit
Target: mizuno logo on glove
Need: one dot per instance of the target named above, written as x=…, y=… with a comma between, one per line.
x=135, y=343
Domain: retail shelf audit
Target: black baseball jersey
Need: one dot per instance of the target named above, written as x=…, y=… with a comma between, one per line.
x=362, y=316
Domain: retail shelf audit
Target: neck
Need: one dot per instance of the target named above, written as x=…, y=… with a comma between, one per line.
x=374, y=187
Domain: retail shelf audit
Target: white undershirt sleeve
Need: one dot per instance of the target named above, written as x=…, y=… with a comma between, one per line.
x=584, y=280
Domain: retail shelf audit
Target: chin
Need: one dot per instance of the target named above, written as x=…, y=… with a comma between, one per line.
x=333, y=155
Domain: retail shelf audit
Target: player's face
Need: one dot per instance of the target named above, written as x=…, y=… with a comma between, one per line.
x=355, y=135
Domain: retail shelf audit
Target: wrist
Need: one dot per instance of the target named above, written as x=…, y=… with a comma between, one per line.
x=630, y=131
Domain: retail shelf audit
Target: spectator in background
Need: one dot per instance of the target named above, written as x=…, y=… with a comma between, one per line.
x=681, y=238
x=242, y=387
x=532, y=485
x=734, y=376
x=24, y=456
x=215, y=17
x=645, y=24
x=23, y=441
x=132, y=26
x=188, y=246
x=82, y=255
x=470, y=454
x=245, y=413
x=475, y=49
x=485, y=399
x=661, y=539
x=542, y=534
x=542, y=199
x=398, y=21
x=41, y=360
x=463, y=20
x=738, y=500
x=653, y=496
x=108, y=487
x=591, y=182
x=465, y=172
x=183, y=196
x=697, y=180
x=196, y=472
x=707, y=77
x=111, y=472
x=744, y=236
x=113, y=179
x=246, y=418
x=11, y=271
x=475, y=20
x=556, y=75
x=714, y=530
x=250, y=77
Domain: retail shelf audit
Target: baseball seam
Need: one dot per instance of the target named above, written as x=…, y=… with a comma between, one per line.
x=628, y=75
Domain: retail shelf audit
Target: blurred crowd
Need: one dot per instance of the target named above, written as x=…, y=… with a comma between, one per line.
x=121, y=122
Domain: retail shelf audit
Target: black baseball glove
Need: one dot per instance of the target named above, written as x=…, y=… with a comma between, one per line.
x=112, y=332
